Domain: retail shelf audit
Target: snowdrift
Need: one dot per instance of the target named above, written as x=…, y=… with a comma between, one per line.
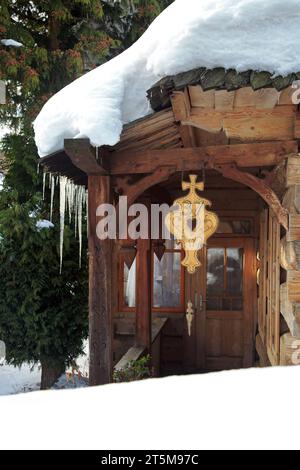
x=227, y=410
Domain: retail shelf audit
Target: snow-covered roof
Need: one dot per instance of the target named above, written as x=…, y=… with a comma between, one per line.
x=257, y=35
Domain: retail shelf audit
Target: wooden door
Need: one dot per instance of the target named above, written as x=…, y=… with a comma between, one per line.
x=224, y=305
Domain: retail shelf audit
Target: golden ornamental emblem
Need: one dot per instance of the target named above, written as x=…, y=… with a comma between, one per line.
x=191, y=223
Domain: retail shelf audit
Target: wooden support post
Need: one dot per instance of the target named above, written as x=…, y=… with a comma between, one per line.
x=100, y=265
x=143, y=294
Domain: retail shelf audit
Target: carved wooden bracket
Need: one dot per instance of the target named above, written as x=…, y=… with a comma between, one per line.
x=134, y=190
x=260, y=186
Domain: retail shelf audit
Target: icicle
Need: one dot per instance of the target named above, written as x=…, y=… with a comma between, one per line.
x=44, y=185
x=62, y=207
x=52, y=196
x=68, y=198
x=80, y=207
x=87, y=211
x=73, y=199
x=76, y=213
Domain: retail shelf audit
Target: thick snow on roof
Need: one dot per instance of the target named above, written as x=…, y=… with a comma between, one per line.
x=226, y=410
x=261, y=35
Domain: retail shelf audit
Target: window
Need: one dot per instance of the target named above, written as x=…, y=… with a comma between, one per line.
x=168, y=279
x=231, y=226
x=127, y=282
x=225, y=279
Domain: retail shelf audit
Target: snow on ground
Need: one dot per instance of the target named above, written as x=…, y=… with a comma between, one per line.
x=17, y=380
x=228, y=410
x=241, y=34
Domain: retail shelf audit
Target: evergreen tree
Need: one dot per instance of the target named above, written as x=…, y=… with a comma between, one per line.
x=43, y=315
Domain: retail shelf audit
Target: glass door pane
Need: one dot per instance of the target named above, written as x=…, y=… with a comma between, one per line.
x=167, y=281
x=225, y=279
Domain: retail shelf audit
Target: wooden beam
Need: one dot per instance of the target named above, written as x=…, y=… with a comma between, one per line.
x=293, y=286
x=82, y=155
x=262, y=352
x=293, y=170
x=224, y=100
x=200, y=98
x=297, y=125
x=289, y=350
x=290, y=311
x=293, y=234
x=143, y=294
x=100, y=285
x=290, y=255
x=259, y=186
x=291, y=199
x=276, y=179
x=181, y=108
x=246, y=124
x=191, y=159
x=181, y=105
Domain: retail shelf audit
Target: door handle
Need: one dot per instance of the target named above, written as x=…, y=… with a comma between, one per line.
x=201, y=303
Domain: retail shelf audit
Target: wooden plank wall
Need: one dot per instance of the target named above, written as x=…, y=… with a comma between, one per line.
x=269, y=288
x=278, y=340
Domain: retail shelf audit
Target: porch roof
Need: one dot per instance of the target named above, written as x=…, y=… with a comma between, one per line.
x=234, y=44
x=207, y=112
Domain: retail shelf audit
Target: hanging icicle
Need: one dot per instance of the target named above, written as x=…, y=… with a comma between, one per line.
x=81, y=193
x=62, y=208
x=76, y=212
x=69, y=198
x=44, y=184
x=52, y=196
x=73, y=200
x=87, y=212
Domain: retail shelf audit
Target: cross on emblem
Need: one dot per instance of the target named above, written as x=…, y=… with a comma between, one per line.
x=193, y=186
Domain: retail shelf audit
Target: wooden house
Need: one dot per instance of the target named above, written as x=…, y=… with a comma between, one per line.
x=240, y=132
